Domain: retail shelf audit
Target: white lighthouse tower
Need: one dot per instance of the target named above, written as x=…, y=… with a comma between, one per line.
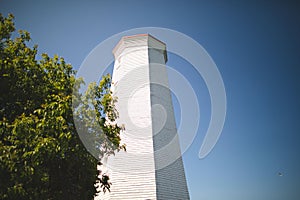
x=151, y=167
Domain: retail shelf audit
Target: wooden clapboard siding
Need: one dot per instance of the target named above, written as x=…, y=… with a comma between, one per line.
x=141, y=83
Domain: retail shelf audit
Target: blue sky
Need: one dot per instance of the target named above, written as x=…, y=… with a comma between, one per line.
x=256, y=47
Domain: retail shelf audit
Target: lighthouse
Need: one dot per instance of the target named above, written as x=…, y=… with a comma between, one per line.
x=151, y=167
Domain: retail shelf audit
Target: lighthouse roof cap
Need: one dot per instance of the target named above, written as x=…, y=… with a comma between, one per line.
x=143, y=35
x=139, y=40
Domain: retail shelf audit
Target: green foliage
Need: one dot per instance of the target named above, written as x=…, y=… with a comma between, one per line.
x=41, y=154
x=95, y=115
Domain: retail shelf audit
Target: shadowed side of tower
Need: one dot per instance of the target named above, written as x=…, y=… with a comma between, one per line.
x=152, y=167
x=169, y=174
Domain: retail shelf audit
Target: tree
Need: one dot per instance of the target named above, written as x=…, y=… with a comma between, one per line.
x=41, y=154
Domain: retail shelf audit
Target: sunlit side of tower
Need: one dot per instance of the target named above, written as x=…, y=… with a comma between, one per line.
x=145, y=107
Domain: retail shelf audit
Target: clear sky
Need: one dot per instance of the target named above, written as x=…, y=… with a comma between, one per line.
x=256, y=47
